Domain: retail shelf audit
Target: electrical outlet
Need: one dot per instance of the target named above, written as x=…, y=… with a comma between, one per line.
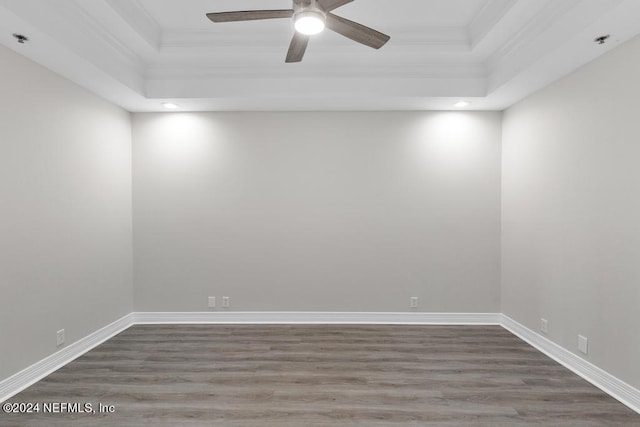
x=583, y=344
x=544, y=326
x=226, y=301
x=413, y=302
x=212, y=302
x=59, y=337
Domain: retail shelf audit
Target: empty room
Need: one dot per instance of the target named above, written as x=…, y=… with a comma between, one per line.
x=320, y=212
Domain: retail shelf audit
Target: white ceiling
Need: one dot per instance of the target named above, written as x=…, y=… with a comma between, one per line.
x=140, y=53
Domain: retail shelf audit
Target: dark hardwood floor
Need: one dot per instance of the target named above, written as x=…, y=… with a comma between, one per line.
x=324, y=375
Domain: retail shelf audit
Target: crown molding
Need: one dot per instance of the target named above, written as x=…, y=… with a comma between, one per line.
x=416, y=71
x=561, y=30
x=487, y=18
x=531, y=31
x=180, y=39
x=92, y=25
x=68, y=30
x=139, y=20
x=309, y=91
x=508, y=49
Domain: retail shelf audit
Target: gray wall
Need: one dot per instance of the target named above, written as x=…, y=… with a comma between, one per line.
x=65, y=212
x=571, y=211
x=323, y=211
x=317, y=211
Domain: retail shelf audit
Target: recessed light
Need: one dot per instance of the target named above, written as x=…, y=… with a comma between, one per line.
x=21, y=38
x=169, y=105
x=461, y=104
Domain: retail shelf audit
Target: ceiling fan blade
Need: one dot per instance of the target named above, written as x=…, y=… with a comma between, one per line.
x=297, y=47
x=357, y=32
x=329, y=5
x=249, y=15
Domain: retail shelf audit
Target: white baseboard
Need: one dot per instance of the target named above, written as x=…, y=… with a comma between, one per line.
x=611, y=385
x=235, y=317
x=616, y=388
x=34, y=373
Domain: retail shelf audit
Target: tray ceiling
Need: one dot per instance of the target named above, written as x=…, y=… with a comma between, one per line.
x=140, y=53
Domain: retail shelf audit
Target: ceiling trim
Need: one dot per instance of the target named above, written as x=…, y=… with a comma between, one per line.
x=93, y=25
x=450, y=37
x=544, y=19
x=463, y=70
x=139, y=20
x=509, y=47
x=63, y=60
x=303, y=88
x=556, y=28
x=578, y=49
x=487, y=18
x=89, y=41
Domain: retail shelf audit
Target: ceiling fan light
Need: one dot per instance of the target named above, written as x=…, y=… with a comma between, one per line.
x=309, y=22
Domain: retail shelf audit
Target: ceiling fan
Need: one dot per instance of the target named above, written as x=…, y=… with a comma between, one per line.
x=310, y=17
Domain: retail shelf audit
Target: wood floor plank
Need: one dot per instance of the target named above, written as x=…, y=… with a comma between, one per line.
x=321, y=375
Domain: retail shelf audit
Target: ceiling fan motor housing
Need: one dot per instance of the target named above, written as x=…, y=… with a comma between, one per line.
x=299, y=6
